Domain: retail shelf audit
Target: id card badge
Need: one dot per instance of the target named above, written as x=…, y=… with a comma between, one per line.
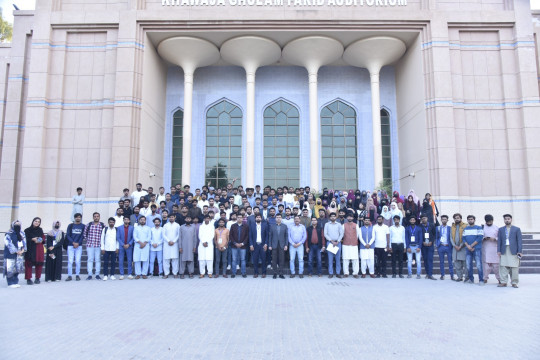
x=413, y=239
x=20, y=245
x=220, y=241
x=426, y=237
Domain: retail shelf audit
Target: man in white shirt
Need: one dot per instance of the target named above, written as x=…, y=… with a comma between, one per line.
x=202, y=202
x=397, y=239
x=119, y=218
x=381, y=233
x=136, y=195
x=109, y=249
x=171, y=234
x=161, y=195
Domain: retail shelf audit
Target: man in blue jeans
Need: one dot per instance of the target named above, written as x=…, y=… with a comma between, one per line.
x=74, y=237
x=333, y=233
x=297, y=238
x=239, y=238
x=314, y=245
x=472, y=238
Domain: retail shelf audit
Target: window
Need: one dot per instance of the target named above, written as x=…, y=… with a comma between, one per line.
x=223, y=144
x=386, y=146
x=178, y=129
x=338, y=140
x=281, y=145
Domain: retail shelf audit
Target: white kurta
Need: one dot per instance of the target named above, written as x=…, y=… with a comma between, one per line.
x=171, y=232
x=349, y=252
x=206, y=234
x=143, y=234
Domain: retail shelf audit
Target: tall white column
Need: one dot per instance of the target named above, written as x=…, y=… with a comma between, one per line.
x=250, y=129
x=314, y=128
x=376, y=122
x=186, y=134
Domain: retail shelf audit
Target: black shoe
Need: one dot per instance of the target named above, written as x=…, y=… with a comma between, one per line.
x=98, y=277
x=401, y=276
x=89, y=277
x=233, y=276
x=281, y=277
x=36, y=281
x=78, y=278
x=244, y=276
x=384, y=276
x=69, y=278
x=274, y=277
x=394, y=276
x=29, y=282
x=301, y=276
x=292, y=276
x=378, y=276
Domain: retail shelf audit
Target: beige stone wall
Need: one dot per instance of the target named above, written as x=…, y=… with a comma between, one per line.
x=83, y=97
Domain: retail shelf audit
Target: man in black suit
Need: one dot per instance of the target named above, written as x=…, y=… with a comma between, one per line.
x=239, y=238
x=278, y=238
x=258, y=243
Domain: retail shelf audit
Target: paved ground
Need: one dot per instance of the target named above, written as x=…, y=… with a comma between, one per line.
x=271, y=319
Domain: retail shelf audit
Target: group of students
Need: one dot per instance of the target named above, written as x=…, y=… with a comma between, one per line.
x=221, y=229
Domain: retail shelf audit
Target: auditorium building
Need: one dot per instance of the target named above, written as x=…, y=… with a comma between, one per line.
x=440, y=96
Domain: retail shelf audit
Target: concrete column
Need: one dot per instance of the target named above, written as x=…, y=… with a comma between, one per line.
x=250, y=129
x=250, y=52
x=314, y=130
x=376, y=123
x=186, y=131
x=189, y=53
x=374, y=53
x=312, y=52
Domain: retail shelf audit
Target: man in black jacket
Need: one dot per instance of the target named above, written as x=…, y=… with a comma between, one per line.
x=315, y=244
x=429, y=233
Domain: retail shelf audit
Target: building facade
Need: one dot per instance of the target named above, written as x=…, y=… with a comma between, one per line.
x=432, y=95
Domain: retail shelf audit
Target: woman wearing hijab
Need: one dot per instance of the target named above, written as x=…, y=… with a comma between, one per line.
x=14, y=249
x=372, y=211
x=387, y=216
x=364, y=197
x=411, y=209
x=53, y=263
x=396, y=212
x=397, y=198
x=351, y=195
x=318, y=206
x=35, y=254
x=375, y=199
x=427, y=211
x=434, y=208
x=361, y=214
x=415, y=198
x=332, y=208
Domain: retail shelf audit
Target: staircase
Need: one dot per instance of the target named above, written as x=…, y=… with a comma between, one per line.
x=530, y=263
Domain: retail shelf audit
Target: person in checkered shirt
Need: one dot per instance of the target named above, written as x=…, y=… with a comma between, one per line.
x=92, y=237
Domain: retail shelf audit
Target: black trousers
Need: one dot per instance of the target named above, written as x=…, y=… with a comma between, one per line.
x=278, y=254
x=380, y=265
x=397, y=255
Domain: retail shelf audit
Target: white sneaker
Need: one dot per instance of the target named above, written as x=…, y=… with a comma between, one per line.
x=130, y=277
x=121, y=277
x=228, y=267
x=112, y=277
x=15, y=286
x=105, y=278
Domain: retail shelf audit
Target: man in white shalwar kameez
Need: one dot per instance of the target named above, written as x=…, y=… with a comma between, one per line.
x=206, y=247
x=142, y=235
x=171, y=234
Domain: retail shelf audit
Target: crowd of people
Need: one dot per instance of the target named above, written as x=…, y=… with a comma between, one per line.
x=223, y=229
